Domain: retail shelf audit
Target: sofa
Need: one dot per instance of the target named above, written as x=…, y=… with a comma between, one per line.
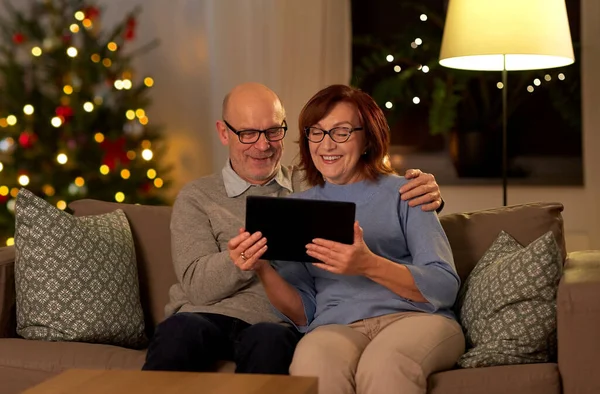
x=25, y=363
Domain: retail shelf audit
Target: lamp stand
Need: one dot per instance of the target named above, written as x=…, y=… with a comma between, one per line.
x=504, y=136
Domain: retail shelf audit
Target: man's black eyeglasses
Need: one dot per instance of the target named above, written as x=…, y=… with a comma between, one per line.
x=337, y=134
x=250, y=136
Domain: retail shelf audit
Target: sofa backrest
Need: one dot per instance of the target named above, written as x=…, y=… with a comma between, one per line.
x=471, y=234
x=150, y=227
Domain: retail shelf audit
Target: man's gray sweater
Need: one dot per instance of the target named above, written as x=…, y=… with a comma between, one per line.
x=204, y=219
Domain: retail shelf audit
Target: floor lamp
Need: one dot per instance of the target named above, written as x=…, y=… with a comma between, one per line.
x=506, y=35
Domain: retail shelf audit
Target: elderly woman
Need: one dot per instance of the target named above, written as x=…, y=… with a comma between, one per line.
x=377, y=313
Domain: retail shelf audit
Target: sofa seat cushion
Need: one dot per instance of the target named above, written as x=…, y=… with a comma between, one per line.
x=513, y=379
x=59, y=356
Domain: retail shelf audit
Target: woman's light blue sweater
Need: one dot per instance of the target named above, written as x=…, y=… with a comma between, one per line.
x=392, y=230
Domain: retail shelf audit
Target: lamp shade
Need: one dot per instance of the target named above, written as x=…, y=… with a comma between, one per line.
x=527, y=34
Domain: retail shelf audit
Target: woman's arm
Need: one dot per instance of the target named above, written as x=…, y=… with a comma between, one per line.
x=396, y=277
x=292, y=292
x=283, y=296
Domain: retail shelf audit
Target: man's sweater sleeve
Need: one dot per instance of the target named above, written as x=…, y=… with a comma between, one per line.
x=432, y=262
x=206, y=274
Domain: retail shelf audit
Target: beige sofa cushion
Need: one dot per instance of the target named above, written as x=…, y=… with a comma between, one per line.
x=150, y=226
x=471, y=234
x=513, y=379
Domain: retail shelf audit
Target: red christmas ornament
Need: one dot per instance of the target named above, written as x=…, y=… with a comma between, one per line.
x=91, y=12
x=18, y=38
x=27, y=139
x=130, y=29
x=65, y=112
x=114, y=152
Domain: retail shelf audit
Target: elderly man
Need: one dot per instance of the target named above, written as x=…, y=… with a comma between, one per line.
x=218, y=312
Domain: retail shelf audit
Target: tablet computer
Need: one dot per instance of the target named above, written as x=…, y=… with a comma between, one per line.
x=289, y=224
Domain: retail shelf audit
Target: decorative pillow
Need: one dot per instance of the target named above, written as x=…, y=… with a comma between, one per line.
x=507, y=306
x=76, y=277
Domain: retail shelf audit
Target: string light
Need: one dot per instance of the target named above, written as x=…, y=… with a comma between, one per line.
x=10, y=241
x=389, y=58
x=423, y=17
x=104, y=170
x=125, y=174
x=389, y=105
x=416, y=100
x=61, y=158
x=561, y=76
x=547, y=77
x=413, y=45
x=151, y=173
x=130, y=114
x=4, y=190
x=88, y=107
x=79, y=15
x=10, y=205
x=140, y=113
x=72, y=51
x=74, y=28
x=68, y=89
x=131, y=154
x=62, y=205
x=1, y=166
x=118, y=84
x=23, y=180
x=95, y=58
x=127, y=84
x=425, y=69
x=3, y=122
x=48, y=190
x=144, y=120
x=11, y=120
x=119, y=197
x=87, y=23
x=147, y=154
x=149, y=82
x=158, y=183
x=106, y=62
x=537, y=82
x=36, y=51
x=28, y=109
x=14, y=192
x=56, y=121
x=530, y=89
x=500, y=85
x=79, y=181
x=397, y=69
x=112, y=46
x=418, y=41
x=99, y=137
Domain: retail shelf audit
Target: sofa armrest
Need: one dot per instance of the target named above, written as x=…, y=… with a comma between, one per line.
x=7, y=292
x=578, y=315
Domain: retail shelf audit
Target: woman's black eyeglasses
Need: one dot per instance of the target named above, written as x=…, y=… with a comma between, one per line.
x=337, y=134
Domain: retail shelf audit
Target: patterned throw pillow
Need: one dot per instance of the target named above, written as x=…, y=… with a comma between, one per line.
x=507, y=306
x=76, y=277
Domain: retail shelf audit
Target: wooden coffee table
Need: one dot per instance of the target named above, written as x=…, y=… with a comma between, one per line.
x=76, y=381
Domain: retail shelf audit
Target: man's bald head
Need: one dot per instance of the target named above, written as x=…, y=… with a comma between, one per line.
x=250, y=97
x=252, y=106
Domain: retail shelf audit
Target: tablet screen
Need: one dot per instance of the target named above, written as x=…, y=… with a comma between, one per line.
x=291, y=223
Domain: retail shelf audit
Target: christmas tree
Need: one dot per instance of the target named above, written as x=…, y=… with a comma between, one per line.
x=73, y=120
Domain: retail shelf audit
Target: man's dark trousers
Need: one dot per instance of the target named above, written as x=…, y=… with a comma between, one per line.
x=194, y=342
